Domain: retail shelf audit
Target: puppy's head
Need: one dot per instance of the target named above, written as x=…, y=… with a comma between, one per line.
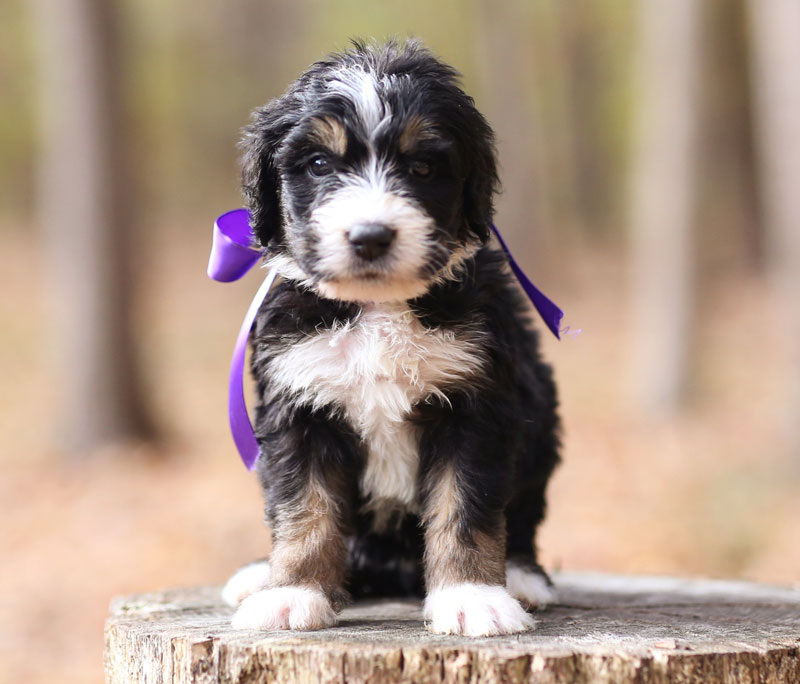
x=372, y=178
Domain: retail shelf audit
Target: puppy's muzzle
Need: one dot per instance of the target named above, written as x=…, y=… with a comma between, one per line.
x=371, y=241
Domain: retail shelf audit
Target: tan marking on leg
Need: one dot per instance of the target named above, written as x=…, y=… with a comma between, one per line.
x=417, y=129
x=450, y=559
x=308, y=547
x=330, y=133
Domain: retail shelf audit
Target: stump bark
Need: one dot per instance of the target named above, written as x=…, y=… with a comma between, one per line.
x=605, y=628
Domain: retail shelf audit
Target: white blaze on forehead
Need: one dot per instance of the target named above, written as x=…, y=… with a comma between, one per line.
x=360, y=87
x=369, y=198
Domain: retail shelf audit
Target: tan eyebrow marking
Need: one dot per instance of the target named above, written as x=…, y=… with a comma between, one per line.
x=417, y=129
x=330, y=133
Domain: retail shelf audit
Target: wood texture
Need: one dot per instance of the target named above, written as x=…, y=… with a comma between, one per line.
x=605, y=628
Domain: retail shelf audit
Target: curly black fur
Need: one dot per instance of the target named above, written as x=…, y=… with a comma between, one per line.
x=497, y=428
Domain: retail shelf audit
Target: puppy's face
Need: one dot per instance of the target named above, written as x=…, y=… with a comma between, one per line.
x=372, y=178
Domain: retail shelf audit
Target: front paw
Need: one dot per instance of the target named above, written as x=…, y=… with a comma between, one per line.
x=284, y=608
x=475, y=610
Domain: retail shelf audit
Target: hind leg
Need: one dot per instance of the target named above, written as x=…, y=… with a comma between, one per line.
x=526, y=580
x=245, y=581
x=529, y=584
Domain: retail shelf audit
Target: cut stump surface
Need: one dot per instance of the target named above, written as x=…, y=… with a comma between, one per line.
x=605, y=628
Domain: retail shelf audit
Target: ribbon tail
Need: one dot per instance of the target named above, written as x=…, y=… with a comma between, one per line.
x=550, y=312
x=241, y=428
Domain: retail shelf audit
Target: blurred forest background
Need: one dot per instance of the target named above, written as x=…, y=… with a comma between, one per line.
x=650, y=158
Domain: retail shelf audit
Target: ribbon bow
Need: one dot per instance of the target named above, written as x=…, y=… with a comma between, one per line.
x=233, y=255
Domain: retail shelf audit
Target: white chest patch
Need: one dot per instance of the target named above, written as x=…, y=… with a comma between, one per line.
x=375, y=369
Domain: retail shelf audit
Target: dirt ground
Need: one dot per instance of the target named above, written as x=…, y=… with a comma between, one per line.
x=712, y=491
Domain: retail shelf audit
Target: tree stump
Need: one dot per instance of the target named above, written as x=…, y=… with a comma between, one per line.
x=605, y=628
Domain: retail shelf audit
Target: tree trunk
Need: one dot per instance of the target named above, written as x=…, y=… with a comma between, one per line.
x=776, y=59
x=605, y=628
x=506, y=64
x=86, y=250
x=662, y=201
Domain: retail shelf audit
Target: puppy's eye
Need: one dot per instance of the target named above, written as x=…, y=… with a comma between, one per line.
x=320, y=166
x=420, y=169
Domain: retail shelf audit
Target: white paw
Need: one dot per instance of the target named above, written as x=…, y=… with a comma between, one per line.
x=529, y=587
x=284, y=608
x=245, y=581
x=475, y=610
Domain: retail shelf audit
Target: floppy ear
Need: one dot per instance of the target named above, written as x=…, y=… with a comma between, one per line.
x=260, y=182
x=481, y=182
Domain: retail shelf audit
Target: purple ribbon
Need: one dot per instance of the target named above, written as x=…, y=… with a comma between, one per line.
x=232, y=251
x=551, y=314
x=233, y=255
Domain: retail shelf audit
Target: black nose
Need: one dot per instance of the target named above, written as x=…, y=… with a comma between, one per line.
x=371, y=240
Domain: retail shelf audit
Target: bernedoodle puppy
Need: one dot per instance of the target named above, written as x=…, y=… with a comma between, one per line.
x=406, y=423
